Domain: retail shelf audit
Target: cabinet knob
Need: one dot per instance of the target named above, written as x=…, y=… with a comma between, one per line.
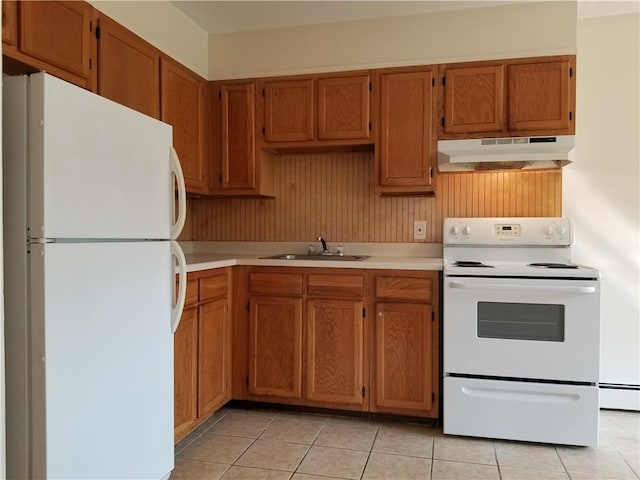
x=381, y=313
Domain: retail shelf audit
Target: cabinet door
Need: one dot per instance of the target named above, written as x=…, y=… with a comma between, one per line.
x=184, y=106
x=238, y=136
x=185, y=372
x=10, y=22
x=541, y=97
x=343, y=108
x=474, y=99
x=407, y=136
x=335, y=351
x=403, y=356
x=214, y=356
x=128, y=69
x=275, y=346
x=288, y=110
x=58, y=33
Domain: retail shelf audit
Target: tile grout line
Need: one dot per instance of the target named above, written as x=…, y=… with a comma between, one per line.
x=566, y=470
x=308, y=449
x=375, y=437
x=495, y=453
x=433, y=457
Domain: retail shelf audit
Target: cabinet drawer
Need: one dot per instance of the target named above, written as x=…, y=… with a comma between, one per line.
x=213, y=287
x=275, y=283
x=351, y=286
x=192, y=293
x=404, y=288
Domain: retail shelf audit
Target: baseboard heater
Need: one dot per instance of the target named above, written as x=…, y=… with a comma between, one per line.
x=620, y=396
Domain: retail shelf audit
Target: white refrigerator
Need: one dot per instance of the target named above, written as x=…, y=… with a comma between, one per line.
x=89, y=218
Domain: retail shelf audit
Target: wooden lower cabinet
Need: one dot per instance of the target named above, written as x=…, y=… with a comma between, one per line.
x=185, y=373
x=403, y=346
x=335, y=351
x=307, y=339
x=214, y=356
x=405, y=353
x=275, y=347
x=202, y=351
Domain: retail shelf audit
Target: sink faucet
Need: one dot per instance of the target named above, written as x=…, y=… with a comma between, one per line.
x=325, y=249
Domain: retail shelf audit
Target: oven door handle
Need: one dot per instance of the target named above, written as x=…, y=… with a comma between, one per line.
x=528, y=288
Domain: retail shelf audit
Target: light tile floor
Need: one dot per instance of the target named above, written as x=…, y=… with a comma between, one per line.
x=257, y=444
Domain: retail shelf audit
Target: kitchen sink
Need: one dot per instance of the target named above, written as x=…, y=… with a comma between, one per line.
x=317, y=256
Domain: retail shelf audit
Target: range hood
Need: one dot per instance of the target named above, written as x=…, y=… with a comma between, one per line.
x=526, y=153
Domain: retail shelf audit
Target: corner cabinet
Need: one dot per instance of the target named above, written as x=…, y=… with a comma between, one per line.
x=406, y=140
x=128, y=68
x=202, y=350
x=238, y=166
x=275, y=334
x=405, y=358
x=184, y=100
x=518, y=97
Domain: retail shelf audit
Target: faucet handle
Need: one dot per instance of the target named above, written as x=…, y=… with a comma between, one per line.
x=312, y=248
x=340, y=250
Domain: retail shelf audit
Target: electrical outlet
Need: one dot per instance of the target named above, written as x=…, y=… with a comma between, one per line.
x=419, y=230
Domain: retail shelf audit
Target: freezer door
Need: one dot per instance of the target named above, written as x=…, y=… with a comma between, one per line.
x=102, y=360
x=97, y=169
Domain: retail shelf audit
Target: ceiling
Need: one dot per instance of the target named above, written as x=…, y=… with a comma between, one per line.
x=240, y=15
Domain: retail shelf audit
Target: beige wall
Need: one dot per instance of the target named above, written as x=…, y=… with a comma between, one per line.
x=601, y=190
x=539, y=28
x=163, y=25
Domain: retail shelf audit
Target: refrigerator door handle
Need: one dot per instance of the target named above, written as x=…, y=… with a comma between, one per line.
x=176, y=310
x=176, y=171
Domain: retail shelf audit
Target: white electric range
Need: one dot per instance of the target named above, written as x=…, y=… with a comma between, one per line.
x=521, y=332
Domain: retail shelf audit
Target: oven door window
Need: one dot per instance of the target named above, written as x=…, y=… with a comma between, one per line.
x=521, y=321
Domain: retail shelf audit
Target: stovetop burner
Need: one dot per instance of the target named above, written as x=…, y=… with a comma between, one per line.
x=468, y=263
x=552, y=265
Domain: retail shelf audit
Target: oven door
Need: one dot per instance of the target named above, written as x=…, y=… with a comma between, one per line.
x=526, y=328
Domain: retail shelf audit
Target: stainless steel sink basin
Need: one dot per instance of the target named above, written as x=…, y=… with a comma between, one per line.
x=317, y=256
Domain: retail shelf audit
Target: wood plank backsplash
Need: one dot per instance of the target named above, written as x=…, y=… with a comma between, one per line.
x=332, y=195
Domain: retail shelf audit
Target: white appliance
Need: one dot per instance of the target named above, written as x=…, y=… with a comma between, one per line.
x=525, y=153
x=521, y=332
x=89, y=284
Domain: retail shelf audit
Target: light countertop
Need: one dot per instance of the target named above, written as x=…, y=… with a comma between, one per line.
x=206, y=261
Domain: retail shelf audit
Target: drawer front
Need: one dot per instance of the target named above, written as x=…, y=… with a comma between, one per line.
x=404, y=288
x=328, y=285
x=214, y=287
x=275, y=283
x=192, y=293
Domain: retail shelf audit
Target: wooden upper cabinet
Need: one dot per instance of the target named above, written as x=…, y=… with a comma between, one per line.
x=238, y=151
x=516, y=97
x=275, y=347
x=54, y=36
x=541, y=96
x=288, y=110
x=184, y=105
x=334, y=352
x=473, y=98
x=406, y=144
x=343, y=107
x=10, y=22
x=128, y=68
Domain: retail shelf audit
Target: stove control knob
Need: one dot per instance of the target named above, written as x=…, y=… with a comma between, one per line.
x=466, y=230
x=561, y=229
x=455, y=230
x=548, y=230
